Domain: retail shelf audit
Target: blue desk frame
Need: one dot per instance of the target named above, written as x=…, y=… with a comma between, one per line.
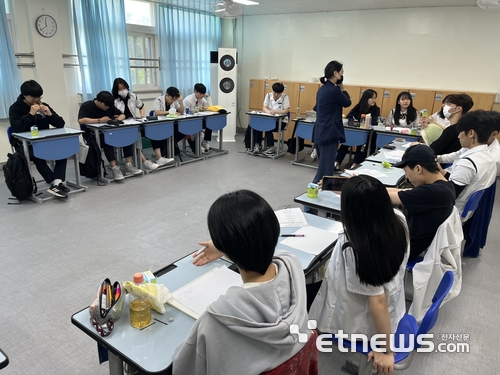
x=304, y=130
x=119, y=136
x=264, y=122
x=216, y=122
x=54, y=144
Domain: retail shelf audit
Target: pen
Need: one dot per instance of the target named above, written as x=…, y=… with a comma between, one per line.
x=199, y=251
x=292, y=235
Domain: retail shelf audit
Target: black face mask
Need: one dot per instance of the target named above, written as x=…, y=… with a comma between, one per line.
x=339, y=81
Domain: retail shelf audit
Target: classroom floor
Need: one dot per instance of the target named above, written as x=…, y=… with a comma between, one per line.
x=54, y=255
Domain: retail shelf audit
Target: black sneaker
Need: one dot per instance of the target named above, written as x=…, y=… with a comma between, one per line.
x=55, y=190
x=64, y=188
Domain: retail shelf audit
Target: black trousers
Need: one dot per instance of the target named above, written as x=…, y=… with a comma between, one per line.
x=59, y=172
x=109, y=151
x=257, y=135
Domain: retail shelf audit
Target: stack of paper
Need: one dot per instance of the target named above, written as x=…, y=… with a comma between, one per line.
x=291, y=217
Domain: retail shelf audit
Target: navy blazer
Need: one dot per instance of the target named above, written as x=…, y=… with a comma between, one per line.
x=328, y=128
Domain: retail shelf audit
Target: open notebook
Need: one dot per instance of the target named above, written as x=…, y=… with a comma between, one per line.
x=194, y=297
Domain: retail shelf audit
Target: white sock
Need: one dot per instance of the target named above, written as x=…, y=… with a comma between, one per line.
x=129, y=164
x=56, y=182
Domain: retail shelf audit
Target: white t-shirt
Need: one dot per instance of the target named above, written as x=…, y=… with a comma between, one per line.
x=342, y=303
x=438, y=120
x=282, y=103
x=160, y=105
x=494, y=148
x=134, y=104
x=473, y=169
x=192, y=102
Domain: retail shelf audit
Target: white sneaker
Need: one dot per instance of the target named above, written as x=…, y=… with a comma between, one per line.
x=117, y=173
x=149, y=165
x=314, y=154
x=130, y=170
x=205, y=147
x=164, y=161
x=269, y=151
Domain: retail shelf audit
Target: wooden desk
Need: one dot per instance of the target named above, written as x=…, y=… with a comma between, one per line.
x=54, y=144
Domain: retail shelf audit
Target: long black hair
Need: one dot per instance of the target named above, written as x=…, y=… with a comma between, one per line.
x=378, y=238
x=364, y=107
x=330, y=68
x=115, y=90
x=411, y=112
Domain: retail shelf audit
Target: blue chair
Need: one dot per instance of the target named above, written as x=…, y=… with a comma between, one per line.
x=472, y=203
x=408, y=330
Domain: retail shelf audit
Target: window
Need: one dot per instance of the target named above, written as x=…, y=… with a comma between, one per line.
x=7, y=9
x=142, y=37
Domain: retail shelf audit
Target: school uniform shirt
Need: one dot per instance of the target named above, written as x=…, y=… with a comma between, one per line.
x=438, y=120
x=473, y=169
x=448, y=141
x=192, y=102
x=428, y=207
x=328, y=128
x=281, y=104
x=494, y=148
x=403, y=121
x=342, y=303
x=22, y=120
x=134, y=105
x=160, y=105
x=247, y=330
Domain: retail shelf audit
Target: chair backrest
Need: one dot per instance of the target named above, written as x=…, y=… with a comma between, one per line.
x=472, y=203
x=431, y=316
x=305, y=362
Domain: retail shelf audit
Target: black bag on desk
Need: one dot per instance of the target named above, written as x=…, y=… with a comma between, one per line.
x=17, y=176
x=93, y=164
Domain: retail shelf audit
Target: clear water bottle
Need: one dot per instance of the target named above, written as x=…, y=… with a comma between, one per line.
x=34, y=131
x=140, y=307
x=297, y=114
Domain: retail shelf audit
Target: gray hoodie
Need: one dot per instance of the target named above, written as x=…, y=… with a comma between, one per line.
x=247, y=330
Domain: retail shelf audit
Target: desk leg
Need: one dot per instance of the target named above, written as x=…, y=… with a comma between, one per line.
x=78, y=180
x=115, y=364
x=221, y=137
x=33, y=197
x=98, y=141
x=138, y=151
x=251, y=141
x=279, y=149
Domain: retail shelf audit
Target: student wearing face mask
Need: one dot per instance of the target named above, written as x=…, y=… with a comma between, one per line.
x=438, y=117
x=458, y=105
x=404, y=114
x=131, y=106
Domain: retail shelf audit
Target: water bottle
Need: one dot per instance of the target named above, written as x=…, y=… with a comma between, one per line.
x=297, y=114
x=368, y=121
x=140, y=307
x=187, y=110
x=34, y=131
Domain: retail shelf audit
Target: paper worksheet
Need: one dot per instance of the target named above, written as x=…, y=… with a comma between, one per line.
x=194, y=297
x=369, y=172
x=395, y=155
x=291, y=217
x=315, y=240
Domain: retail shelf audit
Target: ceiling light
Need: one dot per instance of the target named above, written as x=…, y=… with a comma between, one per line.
x=246, y=2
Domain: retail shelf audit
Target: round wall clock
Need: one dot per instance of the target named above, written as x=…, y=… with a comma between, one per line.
x=46, y=25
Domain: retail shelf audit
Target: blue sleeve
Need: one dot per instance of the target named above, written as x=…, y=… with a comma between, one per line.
x=343, y=98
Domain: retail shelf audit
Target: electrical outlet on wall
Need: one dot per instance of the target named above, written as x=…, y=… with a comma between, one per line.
x=497, y=98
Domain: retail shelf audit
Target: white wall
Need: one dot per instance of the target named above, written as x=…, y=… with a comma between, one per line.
x=435, y=48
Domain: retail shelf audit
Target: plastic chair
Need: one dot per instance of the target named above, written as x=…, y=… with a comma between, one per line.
x=408, y=330
x=472, y=203
x=9, y=134
x=305, y=362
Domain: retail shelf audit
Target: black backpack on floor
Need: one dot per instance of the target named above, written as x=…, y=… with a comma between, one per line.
x=17, y=176
x=93, y=164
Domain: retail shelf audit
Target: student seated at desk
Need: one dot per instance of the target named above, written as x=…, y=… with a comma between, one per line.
x=363, y=289
x=131, y=106
x=439, y=118
x=455, y=107
x=474, y=169
x=27, y=111
x=429, y=203
x=247, y=330
x=367, y=104
x=101, y=110
x=275, y=103
x=161, y=106
x=404, y=114
x=200, y=100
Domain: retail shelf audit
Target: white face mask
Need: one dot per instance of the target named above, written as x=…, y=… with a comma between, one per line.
x=123, y=93
x=446, y=111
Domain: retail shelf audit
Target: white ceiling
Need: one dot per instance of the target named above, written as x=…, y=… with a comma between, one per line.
x=267, y=7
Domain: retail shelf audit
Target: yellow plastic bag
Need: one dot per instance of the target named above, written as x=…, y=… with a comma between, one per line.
x=158, y=294
x=214, y=108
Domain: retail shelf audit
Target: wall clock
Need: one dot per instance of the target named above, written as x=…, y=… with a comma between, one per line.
x=46, y=25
